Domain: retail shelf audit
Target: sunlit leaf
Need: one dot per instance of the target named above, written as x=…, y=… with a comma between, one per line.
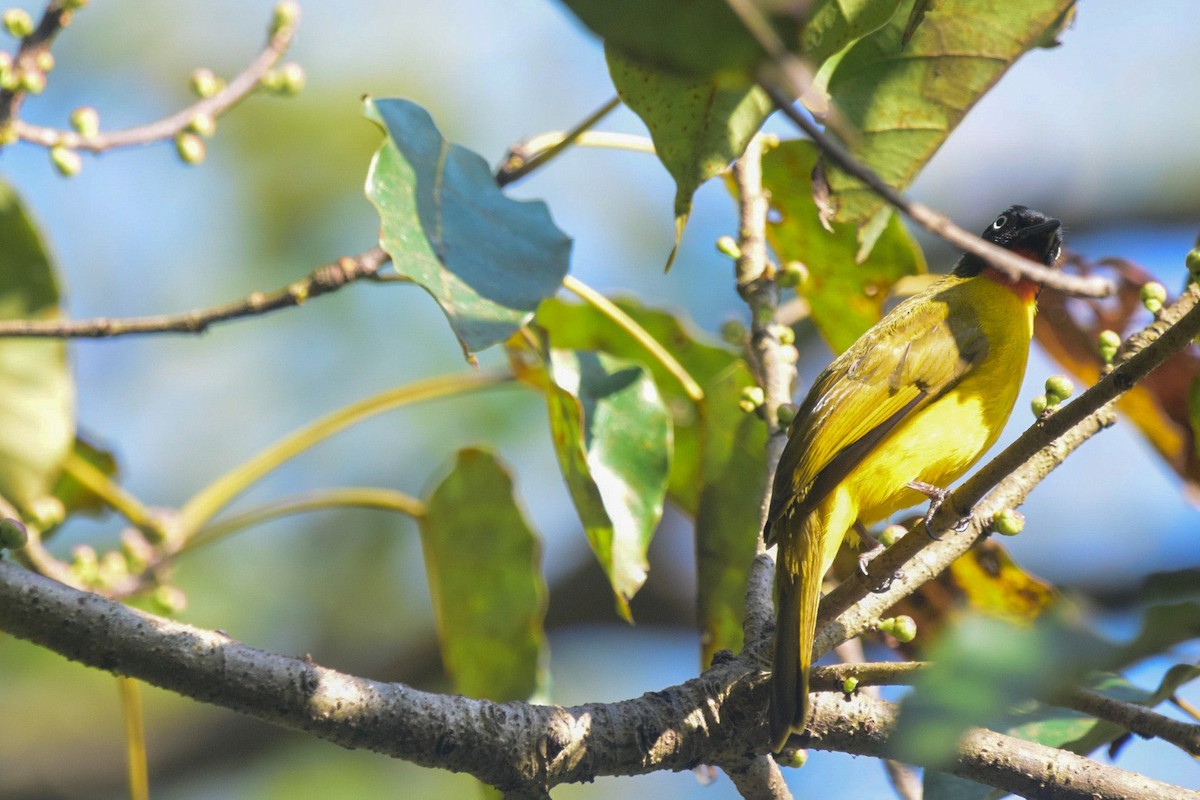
x=489, y=598
x=698, y=125
x=718, y=466
x=689, y=37
x=612, y=435
x=846, y=297
x=487, y=259
x=905, y=98
x=1159, y=405
x=834, y=24
x=573, y=326
x=37, y=422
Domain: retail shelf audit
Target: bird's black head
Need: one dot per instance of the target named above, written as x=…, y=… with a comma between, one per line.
x=1024, y=231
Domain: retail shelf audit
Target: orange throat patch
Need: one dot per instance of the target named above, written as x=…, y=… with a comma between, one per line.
x=1023, y=288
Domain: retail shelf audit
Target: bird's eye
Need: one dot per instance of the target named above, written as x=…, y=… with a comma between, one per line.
x=1000, y=222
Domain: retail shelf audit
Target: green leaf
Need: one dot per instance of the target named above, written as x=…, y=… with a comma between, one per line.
x=846, y=297
x=573, y=326
x=489, y=598
x=612, y=435
x=1193, y=412
x=727, y=520
x=698, y=125
x=1163, y=626
x=688, y=37
x=487, y=259
x=75, y=496
x=982, y=669
x=904, y=99
x=834, y=24
x=718, y=466
x=37, y=422
x=936, y=785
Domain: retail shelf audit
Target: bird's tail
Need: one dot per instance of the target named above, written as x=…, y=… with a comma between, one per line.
x=798, y=584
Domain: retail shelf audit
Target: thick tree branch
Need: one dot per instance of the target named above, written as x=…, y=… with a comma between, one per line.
x=322, y=280
x=515, y=746
x=1005, y=762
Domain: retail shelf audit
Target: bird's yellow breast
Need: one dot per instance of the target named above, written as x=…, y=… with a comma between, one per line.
x=941, y=441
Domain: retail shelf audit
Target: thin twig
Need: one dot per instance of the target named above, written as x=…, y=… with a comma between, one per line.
x=1145, y=722
x=936, y=223
x=904, y=779
x=322, y=280
x=54, y=19
x=238, y=89
x=525, y=157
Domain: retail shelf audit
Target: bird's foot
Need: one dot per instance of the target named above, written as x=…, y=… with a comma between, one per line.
x=871, y=547
x=937, y=496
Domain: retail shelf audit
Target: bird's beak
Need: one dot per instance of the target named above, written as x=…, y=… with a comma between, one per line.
x=1036, y=231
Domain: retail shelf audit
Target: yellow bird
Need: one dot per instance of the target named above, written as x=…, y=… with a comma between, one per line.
x=909, y=407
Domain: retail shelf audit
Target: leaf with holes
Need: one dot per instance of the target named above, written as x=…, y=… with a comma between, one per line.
x=488, y=260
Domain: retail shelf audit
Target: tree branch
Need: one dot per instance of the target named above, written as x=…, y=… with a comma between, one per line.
x=773, y=363
x=322, y=280
x=240, y=87
x=1145, y=722
x=936, y=223
x=53, y=20
x=1013, y=765
x=516, y=747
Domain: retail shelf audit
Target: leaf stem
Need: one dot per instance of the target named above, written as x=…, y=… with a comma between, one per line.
x=357, y=496
x=108, y=490
x=205, y=504
x=626, y=323
x=135, y=738
x=525, y=157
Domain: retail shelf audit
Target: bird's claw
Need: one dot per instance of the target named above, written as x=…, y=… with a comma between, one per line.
x=937, y=496
x=864, y=560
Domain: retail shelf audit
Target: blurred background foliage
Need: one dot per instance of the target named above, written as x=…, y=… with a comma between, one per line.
x=1098, y=132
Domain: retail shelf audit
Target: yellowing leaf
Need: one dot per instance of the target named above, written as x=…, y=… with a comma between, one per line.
x=37, y=420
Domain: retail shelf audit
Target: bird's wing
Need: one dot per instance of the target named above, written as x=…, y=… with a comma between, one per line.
x=913, y=356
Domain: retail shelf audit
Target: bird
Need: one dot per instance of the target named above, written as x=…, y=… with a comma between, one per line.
x=904, y=412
